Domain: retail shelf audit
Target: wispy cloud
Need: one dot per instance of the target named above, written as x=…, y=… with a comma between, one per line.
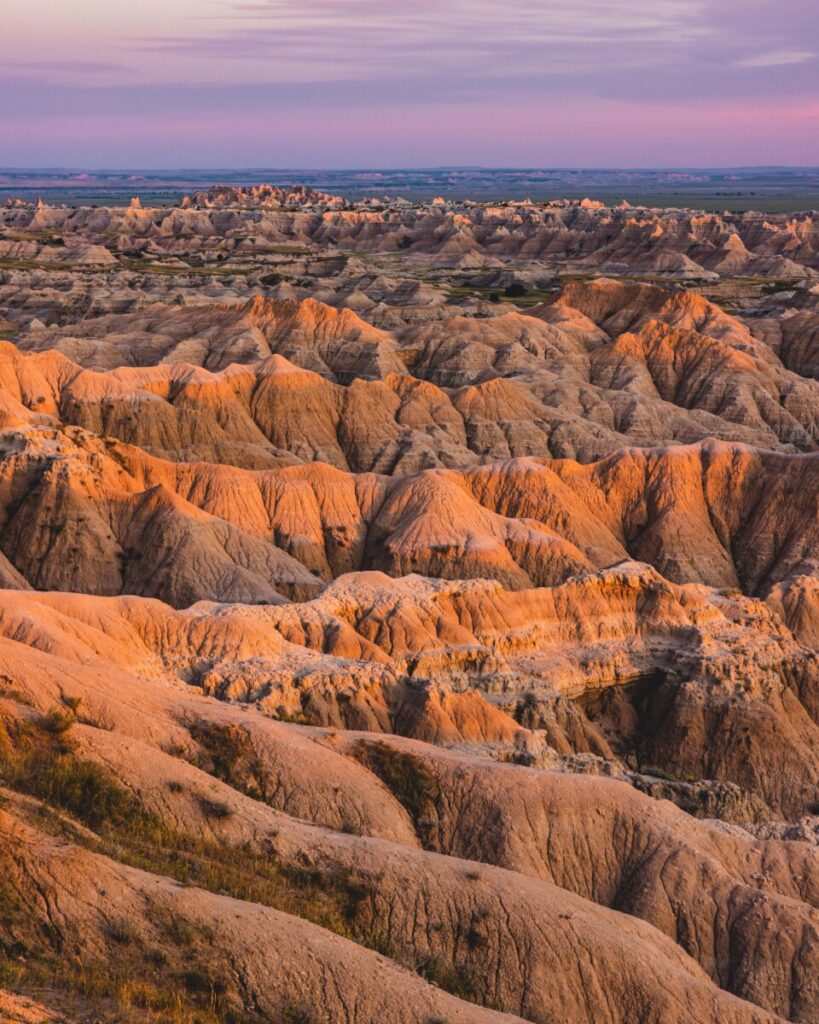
x=776, y=58
x=461, y=36
x=66, y=67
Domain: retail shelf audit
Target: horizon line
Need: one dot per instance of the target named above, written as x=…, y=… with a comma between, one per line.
x=424, y=167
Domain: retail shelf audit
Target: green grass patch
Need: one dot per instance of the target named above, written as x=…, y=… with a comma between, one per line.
x=530, y=298
x=142, y=267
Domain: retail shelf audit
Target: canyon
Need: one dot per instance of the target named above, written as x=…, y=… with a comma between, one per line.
x=409, y=611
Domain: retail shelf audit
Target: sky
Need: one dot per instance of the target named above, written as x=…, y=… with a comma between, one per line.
x=410, y=83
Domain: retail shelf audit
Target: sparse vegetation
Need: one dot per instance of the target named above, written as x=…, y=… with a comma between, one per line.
x=44, y=764
x=9, y=691
x=122, y=931
x=447, y=976
x=492, y=294
x=658, y=773
x=71, y=702
x=41, y=763
x=120, y=993
x=295, y=1014
x=40, y=760
x=214, y=808
x=409, y=780
x=227, y=752
x=773, y=287
x=57, y=722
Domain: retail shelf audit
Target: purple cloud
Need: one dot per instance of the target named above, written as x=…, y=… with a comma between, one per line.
x=682, y=69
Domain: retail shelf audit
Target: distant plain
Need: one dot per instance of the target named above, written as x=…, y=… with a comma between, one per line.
x=769, y=190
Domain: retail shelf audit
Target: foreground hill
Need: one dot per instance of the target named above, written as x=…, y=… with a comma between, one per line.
x=510, y=879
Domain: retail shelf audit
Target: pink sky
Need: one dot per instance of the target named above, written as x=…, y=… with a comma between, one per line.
x=343, y=83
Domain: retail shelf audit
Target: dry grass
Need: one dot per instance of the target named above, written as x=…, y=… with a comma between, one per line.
x=98, y=991
x=40, y=761
x=409, y=780
x=148, y=984
x=227, y=752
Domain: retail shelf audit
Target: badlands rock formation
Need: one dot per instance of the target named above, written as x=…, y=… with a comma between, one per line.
x=408, y=613
x=578, y=235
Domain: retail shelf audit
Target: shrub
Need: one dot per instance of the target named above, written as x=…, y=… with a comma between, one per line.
x=214, y=808
x=57, y=722
x=72, y=703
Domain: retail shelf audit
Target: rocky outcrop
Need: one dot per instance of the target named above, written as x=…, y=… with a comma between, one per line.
x=606, y=364
x=109, y=519
x=685, y=244
x=686, y=685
